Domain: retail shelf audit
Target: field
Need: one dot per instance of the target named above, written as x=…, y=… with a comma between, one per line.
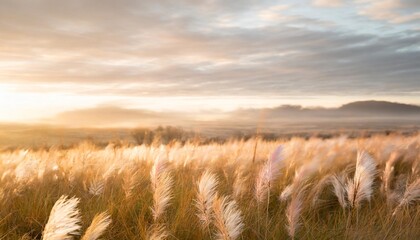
x=337, y=188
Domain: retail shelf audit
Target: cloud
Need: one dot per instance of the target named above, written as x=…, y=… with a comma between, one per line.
x=393, y=11
x=167, y=48
x=275, y=13
x=328, y=3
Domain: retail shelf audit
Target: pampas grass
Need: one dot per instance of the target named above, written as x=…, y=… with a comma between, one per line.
x=360, y=187
x=388, y=172
x=161, y=187
x=158, y=232
x=339, y=188
x=293, y=211
x=412, y=194
x=267, y=174
x=240, y=184
x=227, y=218
x=98, y=226
x=301, y=176
x=205, y=196
x=64, y=220
x=318, y=188
x=96, y=187
x=162, y=195
x=130, y=181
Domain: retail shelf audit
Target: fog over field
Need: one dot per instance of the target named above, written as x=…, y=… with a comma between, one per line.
x=366, y=111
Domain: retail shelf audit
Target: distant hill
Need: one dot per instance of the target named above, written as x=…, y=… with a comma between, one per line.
x=356, y=111
x=380, y=107
x=112, y=116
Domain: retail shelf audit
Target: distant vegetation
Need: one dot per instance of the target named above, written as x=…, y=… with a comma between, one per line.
x=160, y=135
x=168, y=134
x=34, y=136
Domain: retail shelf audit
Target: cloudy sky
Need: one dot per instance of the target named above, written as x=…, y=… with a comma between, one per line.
x=58, y=56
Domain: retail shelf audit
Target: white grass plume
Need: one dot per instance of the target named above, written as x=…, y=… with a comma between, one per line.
x=64, y=220
x=161, y=194
x=205, y=196
x=412, y=194
x=161, y=186
x=339, y=188
x=267, y=174
x=360, y=187
x=98, y=226
x=158, y=168
x=293, y=212
x=227, y=219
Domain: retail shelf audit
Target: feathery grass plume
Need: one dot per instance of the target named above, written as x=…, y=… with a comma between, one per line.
x=301, y=175
x=286, y=193
x=158, y=233
x=319, y=187
x=388, y=173
x=267, y=174
x=227, y=218
x=96, y=187
x=360, y=187
x=64, y=220
x=415, y=168
x=161, y=186
x=98, y=226
x=293, y=211
x=397, y=193
x=205, y=196
x=130, y=181
x=239, y=185
x=412, y=194
x=162, y=195
x=339, y=188
x=158, y=168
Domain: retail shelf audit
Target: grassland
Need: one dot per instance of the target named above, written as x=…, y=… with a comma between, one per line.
x=338, y=188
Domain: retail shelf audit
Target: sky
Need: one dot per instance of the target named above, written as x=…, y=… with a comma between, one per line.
x=185, y=55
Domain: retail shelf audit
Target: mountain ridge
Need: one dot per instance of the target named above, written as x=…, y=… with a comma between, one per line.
x=380, y=106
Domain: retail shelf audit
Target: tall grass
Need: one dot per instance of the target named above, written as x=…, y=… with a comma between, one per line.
x=328, y=189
